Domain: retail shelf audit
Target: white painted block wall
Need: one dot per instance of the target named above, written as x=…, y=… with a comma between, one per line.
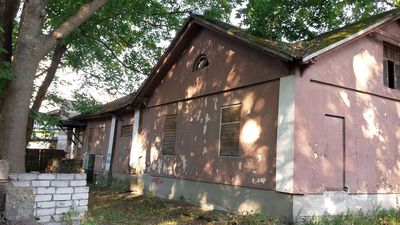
x=55, y=194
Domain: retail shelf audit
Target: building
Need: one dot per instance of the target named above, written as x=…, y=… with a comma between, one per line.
x=106, y=134
x=235, y=122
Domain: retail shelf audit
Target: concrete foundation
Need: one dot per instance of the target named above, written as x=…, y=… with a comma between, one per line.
x=338, y=202
x=211, y=196
x=290, y=207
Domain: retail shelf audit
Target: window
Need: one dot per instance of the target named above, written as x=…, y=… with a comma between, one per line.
x=90, y=140
x=201, y=62
x=391, y=66
x=169, y=135
x=229, y=130
x=126, y=131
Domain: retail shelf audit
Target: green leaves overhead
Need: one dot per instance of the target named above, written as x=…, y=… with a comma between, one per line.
x=302, y=19
x=117, y=47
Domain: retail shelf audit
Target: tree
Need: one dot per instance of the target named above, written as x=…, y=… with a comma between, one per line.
x=31, y=46
x=293, y=20
x=61, y=29
x=123, y=37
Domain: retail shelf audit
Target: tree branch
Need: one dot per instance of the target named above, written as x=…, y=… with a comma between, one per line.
x=116, y=57
x=71, y=24
x=41, y=93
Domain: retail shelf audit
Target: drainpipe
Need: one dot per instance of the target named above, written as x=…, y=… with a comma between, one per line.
x=110, y=148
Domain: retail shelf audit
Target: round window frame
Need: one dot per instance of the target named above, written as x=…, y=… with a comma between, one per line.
x=197, y=61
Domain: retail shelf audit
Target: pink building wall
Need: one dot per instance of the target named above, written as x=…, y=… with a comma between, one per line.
x=345, y=86
x=122, y=145
x=100, y=141
x=237, y=74
x=101, y=134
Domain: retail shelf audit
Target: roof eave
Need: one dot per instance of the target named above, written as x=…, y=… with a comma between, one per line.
x=265, y=49
x=363, y=32
x=136, y=100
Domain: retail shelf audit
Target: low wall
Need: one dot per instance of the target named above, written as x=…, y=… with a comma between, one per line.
x=55, y=194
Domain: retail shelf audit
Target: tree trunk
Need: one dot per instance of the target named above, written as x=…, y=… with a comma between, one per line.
x=41, y=94
x=14, y=114
x=31, y=47
x=8, y=11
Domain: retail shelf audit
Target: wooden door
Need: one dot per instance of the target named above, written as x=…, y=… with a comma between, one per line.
x=333, y=166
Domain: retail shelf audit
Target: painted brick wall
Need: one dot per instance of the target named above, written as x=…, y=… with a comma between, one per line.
x=55, y=194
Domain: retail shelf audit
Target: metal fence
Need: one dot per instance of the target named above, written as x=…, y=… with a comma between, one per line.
x=38, y=159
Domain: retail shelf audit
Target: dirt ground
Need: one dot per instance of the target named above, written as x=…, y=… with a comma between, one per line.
x=111, y=207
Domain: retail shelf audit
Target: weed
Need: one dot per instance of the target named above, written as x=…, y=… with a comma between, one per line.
x=68, y=217
x=377, y=216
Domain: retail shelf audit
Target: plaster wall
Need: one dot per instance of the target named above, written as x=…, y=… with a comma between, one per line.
x=197, y=138
x=232, y=65
x=122, y=145
x=347, y=83
x=236, y=74
x=101, y=134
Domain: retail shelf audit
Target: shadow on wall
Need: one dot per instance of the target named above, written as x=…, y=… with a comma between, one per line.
x=371, y=112
x=197, y=139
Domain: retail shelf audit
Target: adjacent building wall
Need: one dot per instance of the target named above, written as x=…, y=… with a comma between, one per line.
x=122, y=145
x=99, y=143
x=347, y=122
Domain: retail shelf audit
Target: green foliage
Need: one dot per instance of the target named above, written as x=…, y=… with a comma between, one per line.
x=5, y=71
x=69, y=217
x=85, y=103
x=378, y=216
x=117, y=47
x=303, y=19
x=46, y=125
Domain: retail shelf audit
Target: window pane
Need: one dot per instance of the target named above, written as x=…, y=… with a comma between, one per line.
x=126, y=131
x=231, y=114
x=230, y=130
x=229, y=140
x=169, y=135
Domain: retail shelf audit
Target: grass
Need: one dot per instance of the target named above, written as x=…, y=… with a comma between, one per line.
x=377, y=216
x=112, y=206
x=107, y=206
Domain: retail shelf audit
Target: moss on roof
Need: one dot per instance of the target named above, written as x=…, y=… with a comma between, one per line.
x=279, y=46
x=303, y=48
x=326, y=39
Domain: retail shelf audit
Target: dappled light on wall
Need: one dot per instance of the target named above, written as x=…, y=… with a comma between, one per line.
x=365, y=67
x=372, y=129
x=345, y=98
x=250, y=132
